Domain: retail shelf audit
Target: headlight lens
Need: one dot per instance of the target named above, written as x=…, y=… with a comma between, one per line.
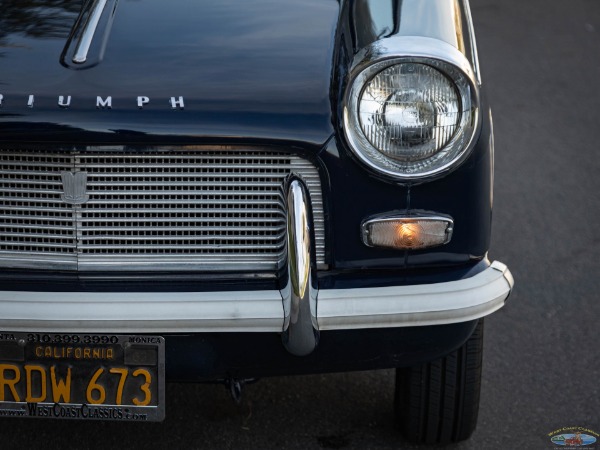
x=410, y=118
x=409, y=111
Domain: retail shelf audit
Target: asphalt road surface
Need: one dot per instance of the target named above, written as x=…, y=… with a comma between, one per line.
x=541, y=68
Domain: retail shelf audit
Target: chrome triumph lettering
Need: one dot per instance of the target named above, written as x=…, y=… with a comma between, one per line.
x=104, y=103
x=64, y=101
x=142, y=100
x=177, y=103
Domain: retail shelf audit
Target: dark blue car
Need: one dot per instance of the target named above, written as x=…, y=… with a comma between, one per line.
x=227, y=190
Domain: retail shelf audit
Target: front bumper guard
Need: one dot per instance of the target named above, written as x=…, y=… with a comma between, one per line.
x=300, y=328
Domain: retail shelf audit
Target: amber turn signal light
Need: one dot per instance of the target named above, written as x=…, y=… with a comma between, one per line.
x=407, y=232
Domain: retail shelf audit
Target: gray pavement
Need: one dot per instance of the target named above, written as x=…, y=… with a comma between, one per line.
x=541, y=68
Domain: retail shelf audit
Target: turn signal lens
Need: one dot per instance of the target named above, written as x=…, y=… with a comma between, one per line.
x=407, y=233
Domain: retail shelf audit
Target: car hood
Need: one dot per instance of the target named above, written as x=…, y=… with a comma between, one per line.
x=244, y=70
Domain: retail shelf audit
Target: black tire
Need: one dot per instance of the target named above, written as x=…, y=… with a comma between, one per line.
x=438, y=402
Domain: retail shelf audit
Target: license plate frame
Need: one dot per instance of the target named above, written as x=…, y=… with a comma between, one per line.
x=86, y=376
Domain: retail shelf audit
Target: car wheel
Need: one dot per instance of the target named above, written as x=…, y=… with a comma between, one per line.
x=438, y=402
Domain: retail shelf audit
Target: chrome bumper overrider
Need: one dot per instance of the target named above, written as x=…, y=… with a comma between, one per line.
x=298, y=311
x=300, y=327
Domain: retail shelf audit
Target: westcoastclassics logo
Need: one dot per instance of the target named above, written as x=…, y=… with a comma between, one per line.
x=574, y=437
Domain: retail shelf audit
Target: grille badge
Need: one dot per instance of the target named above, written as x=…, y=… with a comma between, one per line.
x=74, y=187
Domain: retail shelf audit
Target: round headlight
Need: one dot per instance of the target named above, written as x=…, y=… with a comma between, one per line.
x=410, y=117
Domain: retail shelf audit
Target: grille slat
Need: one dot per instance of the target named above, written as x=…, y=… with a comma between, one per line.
x=26, y=182
x=52, y=198
x=204, y=209
x=7, y=235
x=19, y=227
x=163, y=210
x=201, y=220
x=248, y=169
x=196, y=238
x=55, y=245
x=190, y=247
x=36, y=173
x=179, y=229
x=35, y=212
x=249, y=182
x=183, y=201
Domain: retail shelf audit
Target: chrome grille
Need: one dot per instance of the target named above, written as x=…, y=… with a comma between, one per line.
x=167, y=209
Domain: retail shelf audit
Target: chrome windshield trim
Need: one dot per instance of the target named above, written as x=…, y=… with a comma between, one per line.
x=83, y=47
x=254, y=311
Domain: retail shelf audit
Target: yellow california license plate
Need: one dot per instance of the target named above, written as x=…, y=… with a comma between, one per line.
x=82, y=376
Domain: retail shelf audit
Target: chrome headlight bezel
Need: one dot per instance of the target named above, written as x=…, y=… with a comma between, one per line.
x=419, y=50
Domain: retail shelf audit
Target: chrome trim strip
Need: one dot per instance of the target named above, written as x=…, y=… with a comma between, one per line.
x=89, y=30
x=471, y=30
x=300, y=330
x=232, y=263
x=438, y=19
x=256, y=311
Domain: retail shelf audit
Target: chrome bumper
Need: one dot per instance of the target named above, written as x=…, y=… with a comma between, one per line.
x=298, y=311
x=254, y=311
